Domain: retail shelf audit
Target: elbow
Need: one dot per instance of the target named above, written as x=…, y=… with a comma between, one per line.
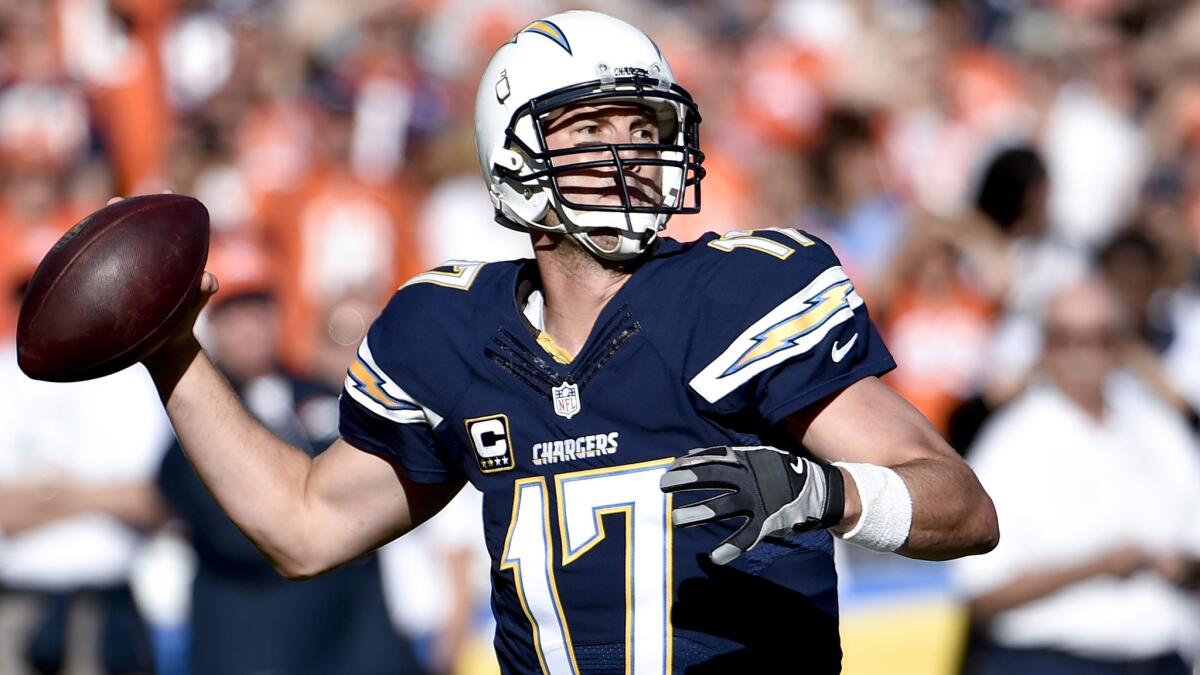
x=976, y=531
x=965, y=524
x=298, y=570
x=296, y=574
x=980, y=526
x=293, y=571
x=299, y=564
x=293, y=549
x=986, y=528
x=987, y=541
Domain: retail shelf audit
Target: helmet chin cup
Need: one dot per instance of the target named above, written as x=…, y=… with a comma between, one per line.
x=634, y=231
x=627, y=248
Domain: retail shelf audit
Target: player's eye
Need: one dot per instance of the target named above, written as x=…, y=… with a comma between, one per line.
x=587, y=130
x=645, y=135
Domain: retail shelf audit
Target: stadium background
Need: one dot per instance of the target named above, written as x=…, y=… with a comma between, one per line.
x=332, y=143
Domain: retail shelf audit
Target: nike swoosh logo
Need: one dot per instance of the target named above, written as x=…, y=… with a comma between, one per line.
x=840, y=351
x=798, y=466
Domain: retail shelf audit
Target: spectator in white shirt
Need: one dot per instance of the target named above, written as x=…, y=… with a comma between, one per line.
x=76, y=499
x=1097, y=486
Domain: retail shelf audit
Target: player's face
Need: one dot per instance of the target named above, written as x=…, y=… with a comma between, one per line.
x=602, y=124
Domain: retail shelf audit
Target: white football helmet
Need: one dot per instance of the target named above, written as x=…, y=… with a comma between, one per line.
x=584, y=57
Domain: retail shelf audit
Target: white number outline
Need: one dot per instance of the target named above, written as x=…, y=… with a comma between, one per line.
x=627, y=504
x=460, y=277
x=557, y=621
x=730, y=241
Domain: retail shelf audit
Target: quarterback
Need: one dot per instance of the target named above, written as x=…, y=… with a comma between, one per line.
x=667, y=435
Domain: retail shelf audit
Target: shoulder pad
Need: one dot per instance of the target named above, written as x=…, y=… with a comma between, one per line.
x=758, y=268
x=769, y=297
x=414, y=360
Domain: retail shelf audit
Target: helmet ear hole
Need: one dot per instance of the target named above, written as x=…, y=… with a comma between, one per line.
x=507, y=159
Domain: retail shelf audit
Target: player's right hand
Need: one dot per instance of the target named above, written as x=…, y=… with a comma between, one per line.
x=181, y=345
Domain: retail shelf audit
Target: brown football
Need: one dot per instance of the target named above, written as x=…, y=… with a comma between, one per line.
x=113, y=288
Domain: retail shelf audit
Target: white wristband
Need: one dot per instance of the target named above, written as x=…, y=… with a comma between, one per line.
x=886, y=515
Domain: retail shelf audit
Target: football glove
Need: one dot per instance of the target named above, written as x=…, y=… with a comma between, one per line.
x=776, y=492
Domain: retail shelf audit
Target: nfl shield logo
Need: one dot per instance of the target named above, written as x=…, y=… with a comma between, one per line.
x=566, y=400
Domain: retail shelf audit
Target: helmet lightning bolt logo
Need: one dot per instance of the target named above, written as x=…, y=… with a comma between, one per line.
x=785, y=333
x=549, y=30
x=370, y=383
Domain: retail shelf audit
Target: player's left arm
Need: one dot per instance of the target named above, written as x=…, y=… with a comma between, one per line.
x=869, y=424
x=807, y=358
x=881, y=477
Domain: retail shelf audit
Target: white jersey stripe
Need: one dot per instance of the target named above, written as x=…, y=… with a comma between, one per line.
x=794, y=327
x=373, y=389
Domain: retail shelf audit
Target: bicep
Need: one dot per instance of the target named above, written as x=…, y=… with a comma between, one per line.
x=367, y=500
x=868, y=422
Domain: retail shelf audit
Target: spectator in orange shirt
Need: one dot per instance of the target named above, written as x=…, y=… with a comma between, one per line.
x=338, y=235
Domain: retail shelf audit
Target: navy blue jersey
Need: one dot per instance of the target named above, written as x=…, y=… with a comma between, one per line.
x=709, y=343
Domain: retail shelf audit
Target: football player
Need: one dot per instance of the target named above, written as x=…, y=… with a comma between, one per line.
x=666, y=435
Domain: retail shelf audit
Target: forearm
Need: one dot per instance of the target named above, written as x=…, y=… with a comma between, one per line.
x=1028, y=588
x=257, y=479
x=947, y=521
x=136, y=505
x=920, y=492
x=25, y=507
x=952, y=514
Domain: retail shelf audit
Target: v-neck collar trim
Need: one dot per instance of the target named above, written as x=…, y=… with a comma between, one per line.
x=528, y=307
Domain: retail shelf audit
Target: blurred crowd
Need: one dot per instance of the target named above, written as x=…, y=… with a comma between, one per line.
x=973, y=163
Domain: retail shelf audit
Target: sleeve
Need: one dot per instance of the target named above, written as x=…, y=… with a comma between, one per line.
x=379, y=409
x=778, y=334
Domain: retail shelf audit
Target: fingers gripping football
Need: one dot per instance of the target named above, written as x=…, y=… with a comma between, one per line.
x=774, y=491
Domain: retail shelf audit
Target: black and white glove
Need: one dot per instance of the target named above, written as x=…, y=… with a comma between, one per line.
x=777, y=492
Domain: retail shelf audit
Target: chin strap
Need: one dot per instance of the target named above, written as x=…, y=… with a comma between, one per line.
x=579, y=225
x=636, y=231
x=627, y=247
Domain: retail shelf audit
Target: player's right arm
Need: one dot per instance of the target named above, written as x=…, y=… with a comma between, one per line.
x=307, y=515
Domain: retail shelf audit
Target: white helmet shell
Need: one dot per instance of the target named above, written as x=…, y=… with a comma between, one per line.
x=569, y=58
